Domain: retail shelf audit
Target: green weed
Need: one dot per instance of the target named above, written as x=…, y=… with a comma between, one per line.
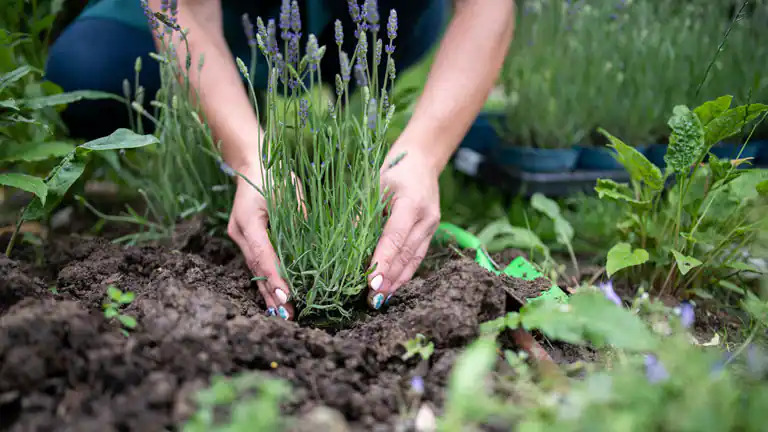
x=116, y=300
x=418, y=346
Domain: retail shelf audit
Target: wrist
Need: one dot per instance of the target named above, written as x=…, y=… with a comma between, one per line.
x=432, y=150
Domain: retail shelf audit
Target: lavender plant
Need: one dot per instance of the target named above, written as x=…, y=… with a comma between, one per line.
x=324, y=249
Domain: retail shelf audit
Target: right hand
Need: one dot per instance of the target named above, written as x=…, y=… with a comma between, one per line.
x=248, y=228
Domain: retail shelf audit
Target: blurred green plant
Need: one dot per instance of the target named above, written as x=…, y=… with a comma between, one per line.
x=691, y=239
x=116, y=300
x=246, y=402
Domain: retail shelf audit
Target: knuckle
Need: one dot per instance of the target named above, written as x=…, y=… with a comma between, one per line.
x=396, y=241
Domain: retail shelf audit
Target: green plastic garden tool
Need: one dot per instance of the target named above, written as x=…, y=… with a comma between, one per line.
x=519, y=268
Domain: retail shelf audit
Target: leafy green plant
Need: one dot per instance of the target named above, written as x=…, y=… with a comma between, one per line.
x=49, y=191
x=116, y=300
x=689, y=238
x=418, y=346
x=248, y=401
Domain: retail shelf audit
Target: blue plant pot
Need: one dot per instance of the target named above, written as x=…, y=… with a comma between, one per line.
x=762, y=154
x=600, y=159
x=729, y=150
x=482, y=136
x=655, y=153
x=537, y=160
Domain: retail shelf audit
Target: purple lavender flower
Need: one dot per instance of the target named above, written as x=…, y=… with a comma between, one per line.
x=687, y=315
x=164, y=6
x=390, y=48
x=303, y=112
x=285, y=19
x=391, y=69
x=377, y=52
x=654, y=370
x=332, y=112
x=151, y=18
x=385, y=101
x=609, y=293
x=226, y=169
x=392, y=25
x=339, y=33
x=295, y=18
x=360, y=77
x=272, y=38
x=354, y=11
x=362, y=50
x=313, y=52
x=248, y=27
x=261, y=29
x=371, y=8
x=345, y=66
x=417, y=384
x=292, y=55
x=372, y=117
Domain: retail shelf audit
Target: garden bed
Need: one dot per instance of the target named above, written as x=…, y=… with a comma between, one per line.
x=64, y=367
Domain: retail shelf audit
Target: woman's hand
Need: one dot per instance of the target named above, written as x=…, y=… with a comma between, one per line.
x=414, y=214
x=248, y=228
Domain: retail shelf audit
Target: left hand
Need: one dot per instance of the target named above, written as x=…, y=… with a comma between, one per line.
x=414, y=214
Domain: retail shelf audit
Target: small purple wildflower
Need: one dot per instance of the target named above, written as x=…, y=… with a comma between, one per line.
x=687, y=314
x=295, y=18
x=285, y=19
x=339, y=33
x=360, y=77
x=248, y=27
x=345, y=66
x=609, y=293
x=417, y=384
x=654, y=370
x=303, y=112
x=392, y=25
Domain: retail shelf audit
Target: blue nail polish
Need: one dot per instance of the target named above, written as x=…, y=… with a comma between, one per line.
x=386, y=302
x=271, y=312
x=282, y=312
x=378, y=299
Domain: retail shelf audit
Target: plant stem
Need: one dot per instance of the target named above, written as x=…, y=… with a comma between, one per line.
x=12, y=241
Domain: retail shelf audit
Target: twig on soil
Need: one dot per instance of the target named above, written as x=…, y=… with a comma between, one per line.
x=543, y=360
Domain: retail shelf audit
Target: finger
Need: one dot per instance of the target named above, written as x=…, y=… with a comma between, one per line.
x=263, y=262
x=299, y=194
x=390, y=245
x=420, y=233
x=411, y=268
x=237, y=236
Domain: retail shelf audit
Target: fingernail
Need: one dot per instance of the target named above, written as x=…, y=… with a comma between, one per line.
x=281, y=296
x=376, y=282
x=271, y=311
x=282, y=312
x=378, y=299
x=386, y=302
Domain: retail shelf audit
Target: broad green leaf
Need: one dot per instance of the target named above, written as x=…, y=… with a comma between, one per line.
x=38, y=152
x=114, y=293
x=742, y=266
x=702, y=294
x=68, y=98
x=685, y=263
x=756, y=307
x=549, y=207
x=722, y=173
x=686, y=142
x=120, y=139
x=63, y=176
x=588, y=317
x=110, y=312
x=710, y=110
x=127, y=298
x=636, y=164
x=500, y=235
x=622, y=256
x=127, y=321
x=732, y=121
x=607, y=188
x=27, y=183
x=9, y=104
x=11, y=77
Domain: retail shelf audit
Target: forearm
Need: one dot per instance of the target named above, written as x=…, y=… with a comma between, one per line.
x=464, y=71
x=218, y=84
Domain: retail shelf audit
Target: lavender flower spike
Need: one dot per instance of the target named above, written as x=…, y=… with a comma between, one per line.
x=372, y=113
x=303, y=112
x=339, y=33
x=295, y=18
x=248, y=27
x=354, y=11
x=609, y=293
x=285, y=19
x=654, y=370
x=360, y=77
x=372, y=14
x=345, y=67
x=392, y=25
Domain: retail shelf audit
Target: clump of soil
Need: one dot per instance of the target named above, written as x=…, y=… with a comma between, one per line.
x=64, y=367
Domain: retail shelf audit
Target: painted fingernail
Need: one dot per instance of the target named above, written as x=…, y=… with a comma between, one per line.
x=378, y=299
x=271, y=311
x=282, y=312
x=281, y=296
x=386, y=302
x=376, y=282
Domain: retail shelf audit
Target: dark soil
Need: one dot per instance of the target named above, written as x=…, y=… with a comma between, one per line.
x=64, y=367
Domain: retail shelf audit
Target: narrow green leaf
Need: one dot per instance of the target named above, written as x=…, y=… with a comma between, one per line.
x=27, y=183
x=622, y=256
x=730, y=286
x=120, y=139
x=742, y=266
x=11, y=77
x=702, y=294
x=607, y=188
x=685, y=263
x=710, y=110
x=636, y=164
x=68, y=98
